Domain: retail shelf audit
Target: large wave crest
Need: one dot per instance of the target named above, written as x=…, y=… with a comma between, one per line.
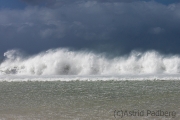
x=67, y=62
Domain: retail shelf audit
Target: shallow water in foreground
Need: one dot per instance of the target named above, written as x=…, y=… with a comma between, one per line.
x=89, y=100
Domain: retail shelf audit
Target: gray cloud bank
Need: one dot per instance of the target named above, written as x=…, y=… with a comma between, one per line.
x=57, y=3
x=118, y=27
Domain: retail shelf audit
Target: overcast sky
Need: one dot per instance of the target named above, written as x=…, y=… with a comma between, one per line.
x=115, y=26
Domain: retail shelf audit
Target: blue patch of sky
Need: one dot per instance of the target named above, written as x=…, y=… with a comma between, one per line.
x=167, y=2
x=12, y=4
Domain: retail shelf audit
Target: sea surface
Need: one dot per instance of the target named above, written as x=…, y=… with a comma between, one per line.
x=90, y=100
x=62, y=84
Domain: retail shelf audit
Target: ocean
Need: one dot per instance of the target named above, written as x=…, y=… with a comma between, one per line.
x=90, y=100
x=62, y=84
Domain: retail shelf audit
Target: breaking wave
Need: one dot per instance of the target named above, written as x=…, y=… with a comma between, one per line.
x=67, y=62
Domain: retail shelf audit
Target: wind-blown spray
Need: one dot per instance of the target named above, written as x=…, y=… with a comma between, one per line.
x=66, y=62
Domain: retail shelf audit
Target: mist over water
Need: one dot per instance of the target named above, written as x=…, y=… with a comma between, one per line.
x=66, y=62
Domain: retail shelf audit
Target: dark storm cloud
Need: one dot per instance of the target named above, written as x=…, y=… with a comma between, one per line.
x=71, y=1
x=57, y=3
x=111, y=26
x=63, y=2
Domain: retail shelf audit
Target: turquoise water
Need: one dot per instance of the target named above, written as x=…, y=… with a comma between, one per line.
x=89, y=100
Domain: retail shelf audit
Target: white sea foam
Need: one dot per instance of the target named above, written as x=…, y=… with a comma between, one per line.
x=60, y=62
x=88, y=77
